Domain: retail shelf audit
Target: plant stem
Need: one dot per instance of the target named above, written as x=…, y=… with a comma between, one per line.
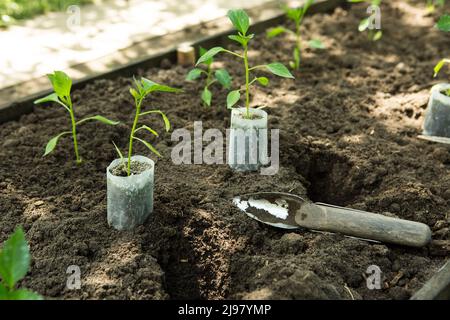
x=299, y=46
x=74, y=132
x=130, y=146
x=247, y=85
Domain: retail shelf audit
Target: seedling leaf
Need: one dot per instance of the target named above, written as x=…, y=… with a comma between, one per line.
x=51, y=144
x=240, y=20
x=444, y=23
x=100, y=119
x=148, y=129
x=232, y=98
x=209, y=54
x=273, y=32
x=279, y=70
x=50, y=98
x=149, y=146
x=363, y=25
x=150, y=86
x=316, y=44
x=14, y=259
x=163, y=115
x=439, y=66
x=223, y=77
x=194, y=74
x=62, y=84
x=207, y=96
x=263, y=81
x=122, y=159
x=243, y=41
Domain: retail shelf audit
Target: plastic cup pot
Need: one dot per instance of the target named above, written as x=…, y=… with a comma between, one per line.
x=437, y=116
x=130, y=198
x=248, y=143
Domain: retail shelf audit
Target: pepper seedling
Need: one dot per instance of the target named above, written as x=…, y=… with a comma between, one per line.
x=139, y=92
x=221, y=76
x=14, y=264
x=62, y=85
x=444, y=25
x=366, y=23
x=241, y=23
x=296, y=15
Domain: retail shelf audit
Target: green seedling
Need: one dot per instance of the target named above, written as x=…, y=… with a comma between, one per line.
x=139, y=92
x=296, y=15
x=432, y=5
x=365, y=24
x=221, y=76
x=444, y=25
x=62, y=85
x=14, y=264
x=241, y=23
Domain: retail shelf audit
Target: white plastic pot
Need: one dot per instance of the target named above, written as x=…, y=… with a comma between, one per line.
x=130, y=199
x=437, y=115
x=248, y=142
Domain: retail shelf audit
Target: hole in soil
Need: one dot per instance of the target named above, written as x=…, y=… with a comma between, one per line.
x=330, y=179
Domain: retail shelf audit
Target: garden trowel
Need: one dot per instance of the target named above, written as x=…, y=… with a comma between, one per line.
x=289, y=211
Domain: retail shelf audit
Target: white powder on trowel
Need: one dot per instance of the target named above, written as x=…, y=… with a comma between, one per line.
x=278, y=209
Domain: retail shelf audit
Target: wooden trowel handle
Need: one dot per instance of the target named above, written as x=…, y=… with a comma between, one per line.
x=363, y=224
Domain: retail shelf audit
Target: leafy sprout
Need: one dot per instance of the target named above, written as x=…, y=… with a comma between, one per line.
x=365, y=24
x=433, y=4
x=296, y=15
x=62, y=85
x=140, y=91
x=221, y=76
x=241, y=23
x=14, y=264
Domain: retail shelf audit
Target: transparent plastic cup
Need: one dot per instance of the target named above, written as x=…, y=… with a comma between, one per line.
x=248, y=142
x=130, y=199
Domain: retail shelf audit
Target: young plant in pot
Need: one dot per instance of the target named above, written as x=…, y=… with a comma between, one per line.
x=62, y=85
x=436, y=124
x=296, y=15
x=211, y=77
x=248, y=134
x=130, y=180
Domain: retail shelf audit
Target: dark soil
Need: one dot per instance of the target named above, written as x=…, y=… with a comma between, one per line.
x=349, y=126
x=136, y=167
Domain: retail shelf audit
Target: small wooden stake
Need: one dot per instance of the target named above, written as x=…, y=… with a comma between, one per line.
x=186, y=55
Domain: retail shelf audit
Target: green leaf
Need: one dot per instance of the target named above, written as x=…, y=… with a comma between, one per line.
x=134, y=93
x=279, y=70
x=50, y=98
x=316, y=44
x=149, y=146
x=439, y=66
x=444, y=23
x=194, y=74
x=232, y=98
x=363, y=25
x=163, y=115
x=223, y=77
x=51, y=144
x=377, y=36
x=263, y=81
x=273, y=32
x=100, y=119
x=202, y=51
x=14, y=258
x=150, y=86
x=209, y=54
x=240, y=20
x=144, y=127
x=62, y=84
x=207, y=96
x=119, y=153
x=238, y=38
x=23, y=294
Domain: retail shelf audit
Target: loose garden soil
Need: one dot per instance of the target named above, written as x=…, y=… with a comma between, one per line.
x=349, y=126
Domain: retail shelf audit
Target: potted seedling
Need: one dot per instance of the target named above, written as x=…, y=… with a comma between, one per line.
x=296, y=15
x=62, y=85
x=130, y=180
x=366, y=24
x=437, y=115
x=211, y=77
x=14, y=264
x=248, y=134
